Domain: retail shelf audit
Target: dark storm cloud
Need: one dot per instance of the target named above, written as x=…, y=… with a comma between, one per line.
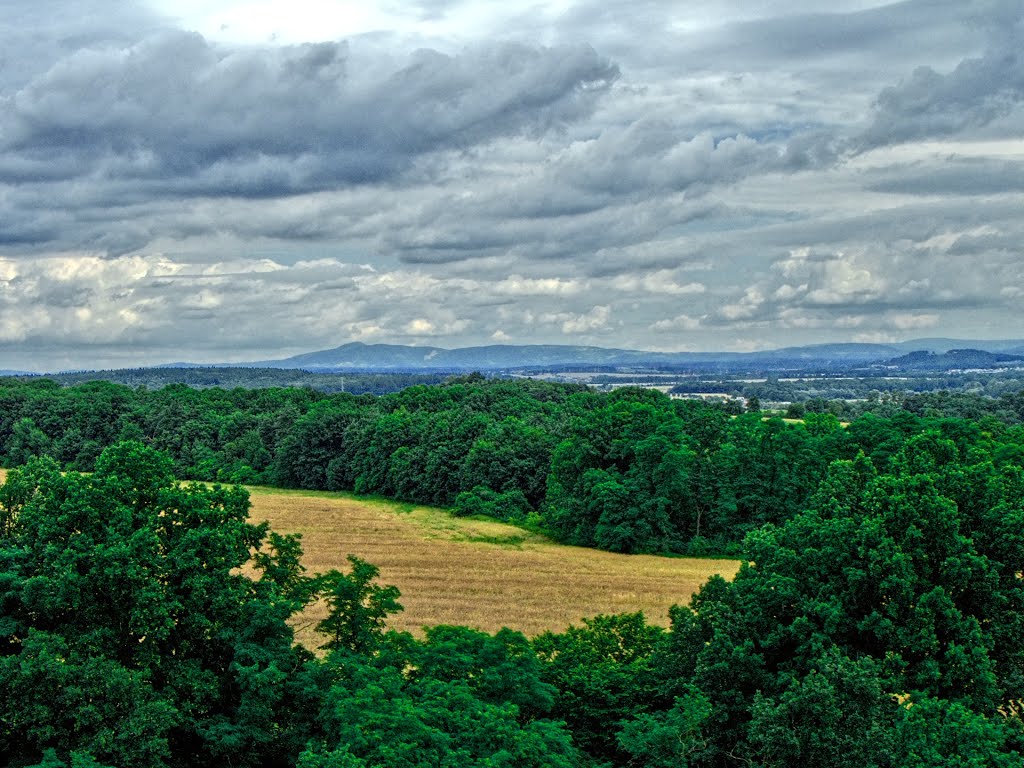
x=201, y=119
x=650, y=157
x=619, y=189
x=977, y=93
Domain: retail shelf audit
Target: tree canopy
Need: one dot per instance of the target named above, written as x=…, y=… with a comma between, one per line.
x=878, y=619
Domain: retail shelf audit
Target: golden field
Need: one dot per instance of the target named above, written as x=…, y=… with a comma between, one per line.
x=478, y=573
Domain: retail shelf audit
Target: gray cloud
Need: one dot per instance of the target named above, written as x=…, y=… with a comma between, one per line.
x=978, y=92
x=753, y=174
x=271, y=121
x=957, y=176
x=174, y=117
x=36, y=35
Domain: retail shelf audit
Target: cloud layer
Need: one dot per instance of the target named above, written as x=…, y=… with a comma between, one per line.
x=635, y=175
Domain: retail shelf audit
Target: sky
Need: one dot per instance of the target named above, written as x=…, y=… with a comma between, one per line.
x=231, y=180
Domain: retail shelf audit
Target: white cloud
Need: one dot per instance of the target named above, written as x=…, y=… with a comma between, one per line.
x=841, y=282
x=747, y=307
x=596, y=319
x=877, y=337
x=659, y=282
x=517, y=285
x=677, y=323
x=789, y=292
x=905, y=321
x=420, y=327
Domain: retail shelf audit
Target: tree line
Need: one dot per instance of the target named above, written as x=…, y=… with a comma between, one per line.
x=878, y=620
x=356, y=382
x=628, y=471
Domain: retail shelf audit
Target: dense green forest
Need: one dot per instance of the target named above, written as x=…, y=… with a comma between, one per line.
x=143, y=622
x=356, y=382
x=628, y=471
x=879, y=620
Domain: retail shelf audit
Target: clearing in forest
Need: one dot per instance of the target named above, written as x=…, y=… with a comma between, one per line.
x=477, y=573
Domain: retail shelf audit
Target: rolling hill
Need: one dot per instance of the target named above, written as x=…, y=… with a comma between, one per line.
x=359, y=356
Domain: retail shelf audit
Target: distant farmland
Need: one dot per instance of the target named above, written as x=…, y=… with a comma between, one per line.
x=476, y=573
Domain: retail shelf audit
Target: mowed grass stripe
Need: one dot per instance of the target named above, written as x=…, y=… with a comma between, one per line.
x=477, y=573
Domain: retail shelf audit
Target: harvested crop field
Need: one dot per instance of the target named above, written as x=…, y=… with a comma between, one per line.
x=478, y=573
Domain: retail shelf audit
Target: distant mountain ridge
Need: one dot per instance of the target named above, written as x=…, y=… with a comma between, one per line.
x=954, y=359
x=847, y=358
x=358, y=356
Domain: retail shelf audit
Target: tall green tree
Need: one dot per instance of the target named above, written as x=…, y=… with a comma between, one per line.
x=128, y=631
x=357, y=607
x=876, y=595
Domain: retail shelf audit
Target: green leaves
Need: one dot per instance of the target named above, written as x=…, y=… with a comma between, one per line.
x=64, y=697
x=457, y=698
x=499, y=669
x=876, y=596
x=604, y=673
x=837, y=714
x=622, y=479
x=669, y=739
x=357, y=607
x=129, y=633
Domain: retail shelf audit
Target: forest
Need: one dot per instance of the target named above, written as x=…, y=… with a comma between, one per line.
x=355, y=382
x=877, y=620
x=629, y=471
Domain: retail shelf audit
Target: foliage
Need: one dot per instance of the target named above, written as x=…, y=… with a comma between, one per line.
x=877, y=606
x=144, y=623
x=603, y=673
x=878, y=620
x=127, y=633
x=627, y=471
x=357, y=607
